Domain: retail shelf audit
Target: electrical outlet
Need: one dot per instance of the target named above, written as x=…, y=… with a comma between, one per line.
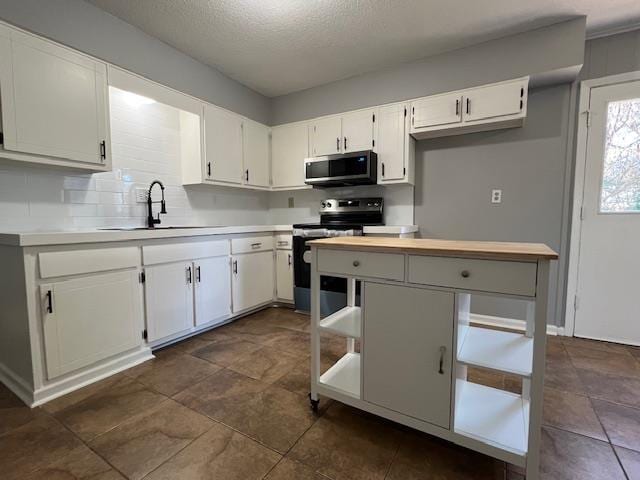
x=291, y=202
x=496, y=196
x=141, y=195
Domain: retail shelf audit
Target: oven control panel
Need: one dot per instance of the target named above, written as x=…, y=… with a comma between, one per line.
x=351, y=205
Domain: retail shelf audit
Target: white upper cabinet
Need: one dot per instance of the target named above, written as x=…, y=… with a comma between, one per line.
x=494, y=101
x=289, y=148
x=325, y=135
x=357, y=131
x=393, y=145
x=54, y=103
x=489, y=107
x=223, y=145
x=437, y=110
x=256, y=154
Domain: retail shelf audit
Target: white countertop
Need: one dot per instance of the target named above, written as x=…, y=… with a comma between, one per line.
x=63, y=237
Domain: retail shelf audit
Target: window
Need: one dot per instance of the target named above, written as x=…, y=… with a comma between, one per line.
x=620, y=191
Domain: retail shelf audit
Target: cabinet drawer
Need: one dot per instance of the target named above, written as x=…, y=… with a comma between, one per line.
x=74, y=262
x=515, y=278
x=177, y=252
x=251, y=244
x=366, y=264
x=284, y=241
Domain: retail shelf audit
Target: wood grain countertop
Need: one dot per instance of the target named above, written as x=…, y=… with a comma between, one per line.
x=448, y=248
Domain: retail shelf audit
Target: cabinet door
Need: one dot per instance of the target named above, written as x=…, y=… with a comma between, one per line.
x=169, y=299
x=88, y=319
x=54, y=101
x=437, y=110
x=255, y=153
x=252, y=280
x=213, y=290
x=390, y=142
x=223, y=145
x=284, y=274
x=407, y=333
x=289, y=148
x=494, y=101
x=357, y=131
x=326, y=136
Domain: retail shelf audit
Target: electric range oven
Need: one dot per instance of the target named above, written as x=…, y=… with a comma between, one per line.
x=338, y=217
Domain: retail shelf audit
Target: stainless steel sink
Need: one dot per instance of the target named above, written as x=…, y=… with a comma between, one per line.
x=160, y=228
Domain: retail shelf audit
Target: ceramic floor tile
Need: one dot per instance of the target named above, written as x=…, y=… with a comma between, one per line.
x=190, y=345
x=287, y=318
x=80, y=464
x=269, y=414
x=635, y=351
x=144, y=442
x=219, y=454
x=8, y=399
x=485, y=377
x=288, y=469
x=630, y=461
x=562, y=375
x=423, y=457
x=14, y=417
x=571, y=412
x=34, y=445
x=225, y=350
x=346, y=444
x=171, y=374
x=266, y=364
x=290, y=341
x=77, y=396
x=594, y=345
x=298, y=380
x=621, y=423
x=613, y=388
x=568, y=456
x=108, y=408
x=607, y=363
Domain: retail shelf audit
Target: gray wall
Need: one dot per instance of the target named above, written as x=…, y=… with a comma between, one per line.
x=85, y=27
x=549, y=54
x=611, y=55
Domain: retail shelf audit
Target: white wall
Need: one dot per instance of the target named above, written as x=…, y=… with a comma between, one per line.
x=145, y=146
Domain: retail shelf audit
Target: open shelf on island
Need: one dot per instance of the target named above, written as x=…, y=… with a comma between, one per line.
x=492, y=416
x=345, y=321
x=504, y=351
x=344, y=376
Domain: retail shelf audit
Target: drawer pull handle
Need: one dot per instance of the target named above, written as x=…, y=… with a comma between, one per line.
x=441, y=367
x=256, y=245
x=356, y=263
x=282, y=243
x=465, y=274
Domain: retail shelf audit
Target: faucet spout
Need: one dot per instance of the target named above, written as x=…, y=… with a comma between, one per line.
x=152, y=222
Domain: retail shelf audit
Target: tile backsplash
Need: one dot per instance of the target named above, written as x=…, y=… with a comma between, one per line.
x=145, y=146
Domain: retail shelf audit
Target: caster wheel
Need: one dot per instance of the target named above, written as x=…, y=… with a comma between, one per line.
x=314, y=404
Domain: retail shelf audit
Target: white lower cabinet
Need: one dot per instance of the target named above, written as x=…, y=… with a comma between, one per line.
x=407, y=361
x=212, y=290
x=169, y=299
x=252, y=280
x=284, y=275
x=90, y=318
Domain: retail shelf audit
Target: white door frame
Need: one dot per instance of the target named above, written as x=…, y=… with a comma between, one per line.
x=578, y=188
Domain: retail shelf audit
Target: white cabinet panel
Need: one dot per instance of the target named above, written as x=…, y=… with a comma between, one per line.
x=408, y=338
x=390, y=142
x=284, y=274
x=255, y=153
x=357, y=131
x=54, y=101
x=88, y=319
x=436, y=110
x=223, y=145
x=212, y=290
x=252, y=280
x=289, y=148
x=169, y=299
x=494, y=101
x=325, y=136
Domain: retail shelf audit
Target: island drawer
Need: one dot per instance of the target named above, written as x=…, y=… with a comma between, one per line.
x=389, y=266
x=513, y=278
x=251, y=244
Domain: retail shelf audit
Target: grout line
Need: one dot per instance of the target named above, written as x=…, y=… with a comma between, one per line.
x=624, y=472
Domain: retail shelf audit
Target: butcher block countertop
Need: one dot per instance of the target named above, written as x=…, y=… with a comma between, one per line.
x=447, y=248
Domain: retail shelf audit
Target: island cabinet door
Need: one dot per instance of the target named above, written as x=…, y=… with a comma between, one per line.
x=407, y=351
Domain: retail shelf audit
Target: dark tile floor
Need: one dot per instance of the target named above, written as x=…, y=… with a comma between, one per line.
x=232, y=404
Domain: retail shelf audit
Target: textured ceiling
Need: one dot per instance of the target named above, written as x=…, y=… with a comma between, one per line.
x=281, y=46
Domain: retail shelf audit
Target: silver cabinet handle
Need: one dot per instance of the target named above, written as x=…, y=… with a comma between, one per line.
x=465, y=274
x=356, y=263
x=282, y=243
x=443, y=349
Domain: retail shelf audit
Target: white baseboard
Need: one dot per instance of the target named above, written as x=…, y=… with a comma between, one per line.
x=511, y=323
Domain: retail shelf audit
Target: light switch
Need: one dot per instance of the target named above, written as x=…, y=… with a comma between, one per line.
x=496, y=196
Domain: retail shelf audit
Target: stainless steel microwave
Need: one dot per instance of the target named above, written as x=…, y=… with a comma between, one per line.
x=355, y=168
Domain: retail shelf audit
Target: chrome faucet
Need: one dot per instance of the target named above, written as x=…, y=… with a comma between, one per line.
x=152, y=222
